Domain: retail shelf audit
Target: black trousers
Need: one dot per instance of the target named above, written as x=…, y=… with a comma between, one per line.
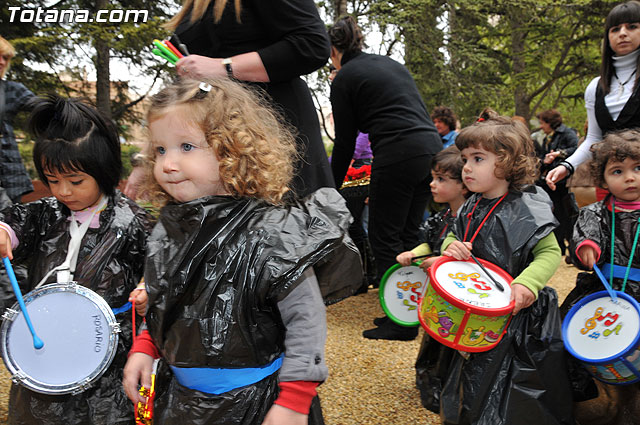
x=398, y=196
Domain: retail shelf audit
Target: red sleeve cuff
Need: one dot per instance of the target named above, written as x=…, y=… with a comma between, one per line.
x=297, y=395
x=143, y=343
x=592, y=244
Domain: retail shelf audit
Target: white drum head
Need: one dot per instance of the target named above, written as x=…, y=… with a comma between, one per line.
x=80, y=338
x=467, y=282
x=603, y=328
x=401, y=292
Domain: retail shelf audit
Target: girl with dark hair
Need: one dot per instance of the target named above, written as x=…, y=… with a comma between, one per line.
x=507, y=221
x=612, y=100
x=77, y=155
x=377, y=95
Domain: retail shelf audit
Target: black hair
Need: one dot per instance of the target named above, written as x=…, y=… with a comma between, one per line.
x=345, y=35
x=446, y=115
x=625, y=13
x=73, y=136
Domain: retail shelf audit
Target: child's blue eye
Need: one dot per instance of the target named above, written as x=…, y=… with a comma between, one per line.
x=186, y=147
x=637, y=168
x=477, y=159
x=160, y=150
x=616, y=172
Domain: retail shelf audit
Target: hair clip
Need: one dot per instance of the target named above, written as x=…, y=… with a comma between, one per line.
x=204, y=89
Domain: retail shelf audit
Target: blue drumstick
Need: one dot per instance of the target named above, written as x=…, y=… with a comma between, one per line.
x=37, y=342
x=608, y=287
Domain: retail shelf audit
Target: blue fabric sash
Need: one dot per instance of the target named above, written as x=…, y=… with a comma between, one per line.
x=220, y=380
x=620, y=271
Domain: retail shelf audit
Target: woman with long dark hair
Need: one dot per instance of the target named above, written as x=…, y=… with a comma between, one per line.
x=612, y=99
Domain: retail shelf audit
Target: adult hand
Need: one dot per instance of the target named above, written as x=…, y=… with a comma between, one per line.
x=550, y=157
x=133, y=183
x=200, y=67
x=137, y=371
x=5, y=245
x=404, y=258
x=555, y=175
x=522, y=296
x=140, y=298
x=588, y=256
x=458, y=250
x=279, y=415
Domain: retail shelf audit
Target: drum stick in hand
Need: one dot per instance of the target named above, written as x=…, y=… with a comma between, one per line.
x=473, y=257
x=37, y=342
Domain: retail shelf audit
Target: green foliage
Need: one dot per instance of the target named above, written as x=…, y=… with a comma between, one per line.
x=516, y=56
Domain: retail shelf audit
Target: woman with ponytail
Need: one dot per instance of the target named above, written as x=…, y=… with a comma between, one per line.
x=377, y=95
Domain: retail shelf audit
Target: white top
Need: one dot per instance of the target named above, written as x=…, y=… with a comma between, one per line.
x=615, y=101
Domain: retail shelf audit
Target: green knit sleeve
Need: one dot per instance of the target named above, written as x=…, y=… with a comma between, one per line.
x=546, y=259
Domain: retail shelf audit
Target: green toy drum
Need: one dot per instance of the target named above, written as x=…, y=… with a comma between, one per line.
x=400, y=291
x=462, y=308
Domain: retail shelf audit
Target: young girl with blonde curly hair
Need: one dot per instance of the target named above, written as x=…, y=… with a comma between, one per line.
x=509, y=222
x=235, y=273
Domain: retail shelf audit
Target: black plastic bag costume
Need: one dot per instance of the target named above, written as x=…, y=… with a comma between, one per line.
x=523, y=379
x=594, y=223
x=215, y=271
x=110, y=263
x=432, y=364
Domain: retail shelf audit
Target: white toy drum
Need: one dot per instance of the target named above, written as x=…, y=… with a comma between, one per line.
x=80, y=336
x=605, y=336
x=400, y=291
x=461, y=306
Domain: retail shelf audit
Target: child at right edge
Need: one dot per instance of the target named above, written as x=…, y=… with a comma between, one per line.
x=509, y=222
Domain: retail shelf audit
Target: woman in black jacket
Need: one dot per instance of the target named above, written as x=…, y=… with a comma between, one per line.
x=377, y=95
x=560, y=143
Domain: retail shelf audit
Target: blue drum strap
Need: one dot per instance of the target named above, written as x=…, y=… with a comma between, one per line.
x=620, y=271
x=122, y=309
x=220, y=380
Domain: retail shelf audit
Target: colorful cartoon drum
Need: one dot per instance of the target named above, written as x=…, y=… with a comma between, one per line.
x=80, y=336
x=605, y=336
x=400, y=290
x=461, y=306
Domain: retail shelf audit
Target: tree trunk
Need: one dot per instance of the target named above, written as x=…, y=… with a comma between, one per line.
x=103, y=77
x=340, y=7
x=518, y=62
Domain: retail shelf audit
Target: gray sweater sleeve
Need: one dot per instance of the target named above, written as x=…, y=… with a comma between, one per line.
x=303, y=314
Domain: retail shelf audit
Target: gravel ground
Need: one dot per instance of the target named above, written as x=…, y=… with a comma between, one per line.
x=371, y=382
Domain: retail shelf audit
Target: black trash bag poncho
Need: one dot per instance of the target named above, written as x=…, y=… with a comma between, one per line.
x=522, y=380
x=432, y=364
x=215, y=271
x=110, y=263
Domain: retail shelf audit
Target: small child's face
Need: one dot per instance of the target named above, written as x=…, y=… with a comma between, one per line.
x=75, y=189
x=185, y=165
x=444, y=188
x=623, y=179
x=479, y=172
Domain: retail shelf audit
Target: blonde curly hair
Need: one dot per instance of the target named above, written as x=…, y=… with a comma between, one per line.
x=510, y=140
x=254, y=146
